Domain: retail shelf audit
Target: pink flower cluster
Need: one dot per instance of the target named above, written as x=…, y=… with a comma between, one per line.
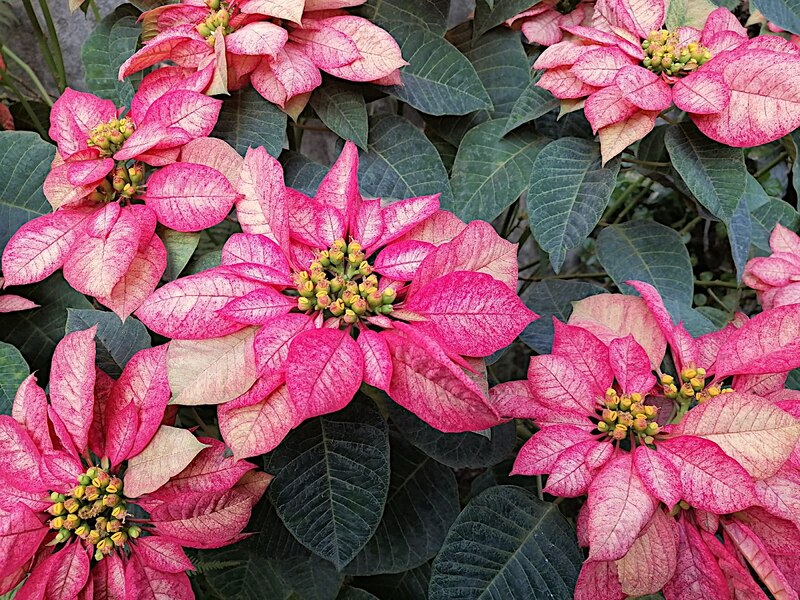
x=776, y=278
x=544, y=23
x=279, y=47
x=692, y=477
x=73, y=468
x=627, y=69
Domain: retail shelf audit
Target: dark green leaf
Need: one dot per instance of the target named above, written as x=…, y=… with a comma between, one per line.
x=569, y=190
x=507, y=545
x=180, y=247
x=439, y=80
x=783, y=13
x=650, y=252
x=343, y=110
x=422, y=504
x=205, y=261
x=13, y=371
x=332, y=481
x=23, y=121
x=548, y=299
x=401, y=162
x=456, y=450
x=302, y=173
x=764, y=218
x=530, y=105
x=116, y=341
x=24, y=162
x=492, y=171
x=447, y=151
x=487, y=16
x=793, y=381
x=248, y=120
x=111, y=43
x=351, y=593
x=411, y=585
x=36, y=332
x=430, y=14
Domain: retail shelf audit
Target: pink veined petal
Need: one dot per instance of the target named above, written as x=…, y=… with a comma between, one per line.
x=256, y=428
x=212, y=470
x=631, y=366
x=377, y=358
x=599, y=67
x=312, y=5
x=729, y=40
x=324, y=369
x=380, y=54
x=214, y=153
x=427, y=382
x=121, y=433
x=541, y=453
x=697, y=573
x=783, y=239
x=643, y=88
x=104, y=250
x=557, y=383
x=258, y=249
x=258, y=307
x=598, y=580
x=74, y=115
x=187, y=307
x=88, y=172
x=368, y=224
x=146, y=583
x=608, y=106
x=565, y=53
x=168, y=453
x=741, y=583
x=72, y=383
x=514, y=398
x=779, y=535
x=330, y=225
x=162, y=555
x=543, y=29
x=30, y=411
x=182, y=47
x=440, y=227
x=657, y=547
x=325, y=46
x=70, y=574
x=617, y=37
x=108, y=578
x=212, y=371
x=587, y=353
x=404, y=215
x=163, y=80
x=263, y=208
x=564, y=84
x=638, y=16
x=61, y=469
x=719, y=20
x=619, y=509
x=779, y=269
x=148, y=137
x=659, y=475
x=474, y=313
x=39, y=247
x=289, y=75
x=187, y=111
x=711, y=480
x=753, y=431
x=291, y=10
x=780, y=494
x=190, y=197
x=339, y=187
x=615, y=138
x=272, y=341
x=572, y=475
x=21, y=532
x=702, y=92
x=261, y=38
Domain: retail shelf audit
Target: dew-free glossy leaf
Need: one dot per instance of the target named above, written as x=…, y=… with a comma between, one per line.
x=13, y=371
x=247, y=119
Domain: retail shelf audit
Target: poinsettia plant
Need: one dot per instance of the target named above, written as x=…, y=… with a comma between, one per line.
x=322, y=299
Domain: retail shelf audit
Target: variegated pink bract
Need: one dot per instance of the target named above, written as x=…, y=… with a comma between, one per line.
x=113, y=179
x=776, y=277
x=646, y=448
x=627, y=70
x=71, y=469
x=543, y=23
x=319, y=295
x=12, y=302
x=280, y=47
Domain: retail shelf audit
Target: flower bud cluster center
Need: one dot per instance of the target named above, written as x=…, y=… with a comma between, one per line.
x=219, y=16
x=664, y=53
x=109, y=137
x=340, y=283
x=692, y=387
x=95, y=510
x=627, y=414
x=121, y=184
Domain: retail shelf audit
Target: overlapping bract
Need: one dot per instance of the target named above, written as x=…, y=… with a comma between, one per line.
x=113, y=179
x=195, y=496
x=543, y=23
x=12, y=302
x=722, y=454
x=776, y=277
x=279, y=47
x=627, y=72
x=417, y=298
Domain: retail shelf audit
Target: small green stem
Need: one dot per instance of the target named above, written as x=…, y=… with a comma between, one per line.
x=27, y=107
x=512, y=210
x=40, y=38
x=593, y=275
x=773, y=163
x=95, y=10
x=690, y=225
x=58, y=56
x=620, y=201
x=632, y=204
x=7, y=52
x=717, y=283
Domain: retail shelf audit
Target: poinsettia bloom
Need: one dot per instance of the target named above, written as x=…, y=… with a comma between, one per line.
x=319, y=295
x=112, y=180
x=12, y=302
x=74, y=468
x=280, y=47
x=645, y=447
x=776, y=277
x=543, y=22
x=627, y=70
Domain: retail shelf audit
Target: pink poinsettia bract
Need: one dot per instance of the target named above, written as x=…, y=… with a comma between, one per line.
x=664, y=457
x=321, y=294
x=99, y=495
x=776, y=278
x=543, y=23
x=279, y=47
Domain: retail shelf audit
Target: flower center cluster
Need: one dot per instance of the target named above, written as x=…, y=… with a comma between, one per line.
x=219, y=16
x=692, y=387
x=95, y=511
x=121, y=184
x=109, y=137
x=664, y=53
x=340, y=283
x=621, y=415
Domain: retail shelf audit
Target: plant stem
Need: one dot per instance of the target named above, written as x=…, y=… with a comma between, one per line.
x=632, y=187
x=646, y=163
x=512, y=210
x=593, y=275
x=40, y=38
x=7, y=52
x=632, y=204
x=95, y=10
x=58, y=56
x=717, y=283
x=690, y=225
x=773, y=163
x=27, y=107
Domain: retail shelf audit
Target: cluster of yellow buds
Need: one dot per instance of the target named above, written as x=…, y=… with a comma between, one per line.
x=104, y=192
x=692, y=386
x=109, y=137
x=95, y=510
x=628, y=413
x=220, y=17
x=664, y=53
x=341, y=282
x=682, y=505
x=125, y=180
